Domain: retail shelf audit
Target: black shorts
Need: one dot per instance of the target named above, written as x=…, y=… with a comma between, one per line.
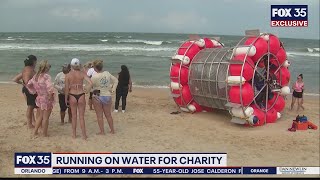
x=62, y=103
x=24, y=90
x=297, y=94
x=91, y=93
x=31, y=98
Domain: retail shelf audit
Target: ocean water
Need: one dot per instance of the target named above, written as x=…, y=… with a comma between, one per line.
x=146, y=54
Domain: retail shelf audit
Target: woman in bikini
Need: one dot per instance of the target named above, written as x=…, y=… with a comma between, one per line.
x=298, y=88
x=103, y=84
x=41, y=85
x=76, y=93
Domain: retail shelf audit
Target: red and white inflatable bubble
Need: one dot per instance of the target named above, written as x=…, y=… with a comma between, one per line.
x=249, y=80
x=179, y=72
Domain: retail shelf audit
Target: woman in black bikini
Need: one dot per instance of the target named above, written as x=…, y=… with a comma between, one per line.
x=74, y=88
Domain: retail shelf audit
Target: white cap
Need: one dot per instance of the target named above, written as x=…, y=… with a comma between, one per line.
x=75, y=62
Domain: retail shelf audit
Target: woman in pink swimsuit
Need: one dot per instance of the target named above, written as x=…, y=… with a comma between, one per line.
x=298, y=88
x=41, y=84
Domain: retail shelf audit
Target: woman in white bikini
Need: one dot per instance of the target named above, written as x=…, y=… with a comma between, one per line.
x=75, y=91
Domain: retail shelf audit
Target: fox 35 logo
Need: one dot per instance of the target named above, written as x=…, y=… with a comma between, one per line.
x=289, y=16
x=32, y=160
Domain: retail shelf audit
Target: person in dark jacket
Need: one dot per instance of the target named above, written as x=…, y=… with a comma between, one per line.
x=124, y=86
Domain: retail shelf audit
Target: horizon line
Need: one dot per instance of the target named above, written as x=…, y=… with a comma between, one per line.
x=140, y=33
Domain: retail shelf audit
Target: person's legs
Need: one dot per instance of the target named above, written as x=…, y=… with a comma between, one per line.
x=107, y=113
x=29, y=116
x=124, y=98
x=45, y=121
x=63, y=107
x=118, y=96
x=302, y=103
x=31, y=102
x=293, y=101
x=99, y=112
x=25, y=98
x=90, y=101
x=74, y=107
x=33, y=118
x=69, y=111
x=33, y=121
x=38, y=121
x=62, y=115
x=70, y=115
x=299, y=103
x=38, y=111
x=82, y=109
x=90, y=104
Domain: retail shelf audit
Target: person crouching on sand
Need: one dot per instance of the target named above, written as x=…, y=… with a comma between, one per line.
x=103, y=85
x=59, y=84
x=75, y=91
x=41, y=85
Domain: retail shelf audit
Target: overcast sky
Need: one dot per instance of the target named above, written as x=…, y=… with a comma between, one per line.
x=222, y=17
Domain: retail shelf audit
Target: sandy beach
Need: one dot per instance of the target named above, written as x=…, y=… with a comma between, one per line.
x=148, y=126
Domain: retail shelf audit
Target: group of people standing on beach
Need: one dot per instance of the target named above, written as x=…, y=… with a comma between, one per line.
x=72, y=84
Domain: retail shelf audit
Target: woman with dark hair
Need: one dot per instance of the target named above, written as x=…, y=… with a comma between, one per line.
x=298, y=88
x=27, y=74
x=124, y=85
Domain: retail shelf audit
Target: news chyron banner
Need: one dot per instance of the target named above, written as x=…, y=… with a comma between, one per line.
x=139, y=163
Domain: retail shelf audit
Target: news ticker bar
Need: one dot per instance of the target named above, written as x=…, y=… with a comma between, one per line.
x=139, y=163
x=177, y=170
x=73, y=160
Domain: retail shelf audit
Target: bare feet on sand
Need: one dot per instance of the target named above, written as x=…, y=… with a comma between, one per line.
x=30, y=126
x=85, y=137
x=33, y=136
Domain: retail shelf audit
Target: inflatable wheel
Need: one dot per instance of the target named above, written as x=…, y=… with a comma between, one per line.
x=179, y=72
